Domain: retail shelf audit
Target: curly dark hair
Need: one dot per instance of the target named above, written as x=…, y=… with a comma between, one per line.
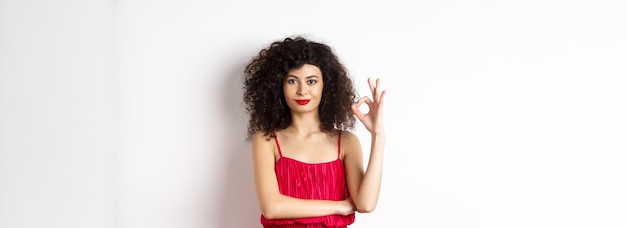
x=263, y=84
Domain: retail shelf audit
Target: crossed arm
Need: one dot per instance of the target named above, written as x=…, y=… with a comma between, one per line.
x=363, y=185
x=275, y=205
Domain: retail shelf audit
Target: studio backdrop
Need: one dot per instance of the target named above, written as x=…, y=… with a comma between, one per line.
x=129, y=113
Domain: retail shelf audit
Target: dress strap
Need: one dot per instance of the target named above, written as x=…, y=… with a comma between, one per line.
x=277, y=145
x=339, y=145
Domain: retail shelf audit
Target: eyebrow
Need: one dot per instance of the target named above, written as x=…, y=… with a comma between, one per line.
x=310, y=76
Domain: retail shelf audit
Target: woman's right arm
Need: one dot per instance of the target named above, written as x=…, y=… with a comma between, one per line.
x=278, y=206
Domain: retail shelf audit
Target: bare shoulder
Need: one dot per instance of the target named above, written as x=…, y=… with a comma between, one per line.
x=349, y=137
x=260, y=137
x=262, y=141
x=350, y=143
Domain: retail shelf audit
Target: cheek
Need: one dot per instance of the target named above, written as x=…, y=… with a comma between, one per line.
x=286, y=88
x=319, y=90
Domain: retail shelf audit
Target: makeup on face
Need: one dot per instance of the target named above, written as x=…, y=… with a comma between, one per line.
x=303, y=88
x=303, y=101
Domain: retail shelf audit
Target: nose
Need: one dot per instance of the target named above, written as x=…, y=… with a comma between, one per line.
x=301, y=90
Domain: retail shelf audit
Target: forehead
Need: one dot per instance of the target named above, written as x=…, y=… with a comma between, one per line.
x=306, y=70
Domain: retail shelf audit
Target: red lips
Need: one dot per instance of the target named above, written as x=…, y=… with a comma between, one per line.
x=302, y=102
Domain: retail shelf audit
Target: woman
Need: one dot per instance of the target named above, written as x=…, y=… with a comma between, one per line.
x=308, y=168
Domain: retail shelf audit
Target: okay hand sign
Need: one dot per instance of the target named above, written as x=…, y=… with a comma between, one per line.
x=373, y=119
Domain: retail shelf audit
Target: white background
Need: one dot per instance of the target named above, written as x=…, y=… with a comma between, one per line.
x=129, y=114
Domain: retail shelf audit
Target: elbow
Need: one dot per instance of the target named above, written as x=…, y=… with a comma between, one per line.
x=268, y=213
x=366, y=208
x=271, y=207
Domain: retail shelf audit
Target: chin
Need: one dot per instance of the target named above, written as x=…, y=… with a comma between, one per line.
x=303, y=109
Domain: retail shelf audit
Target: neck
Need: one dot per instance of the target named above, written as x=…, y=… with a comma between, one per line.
x=305, y=123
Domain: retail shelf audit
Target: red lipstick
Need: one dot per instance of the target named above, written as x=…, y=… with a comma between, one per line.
x=302, y=102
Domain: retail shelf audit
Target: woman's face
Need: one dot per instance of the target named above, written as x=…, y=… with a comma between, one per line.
x=303, y=88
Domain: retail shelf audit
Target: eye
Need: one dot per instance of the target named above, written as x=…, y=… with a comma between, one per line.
x=311, y=82
x=291, y=81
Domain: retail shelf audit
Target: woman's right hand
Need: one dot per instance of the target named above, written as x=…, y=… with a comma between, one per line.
x=347, y=207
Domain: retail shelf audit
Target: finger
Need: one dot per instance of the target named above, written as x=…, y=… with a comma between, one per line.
x=358, y=103
x=357, y=112
x=381, y=103
x=369, y=102
x=377, y=83
x=366, y=100
x=382, y=98
x=361, y=100
x=372, y=88
x=377, y=95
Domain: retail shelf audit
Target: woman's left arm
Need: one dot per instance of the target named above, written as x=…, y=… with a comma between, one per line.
x=364, y=185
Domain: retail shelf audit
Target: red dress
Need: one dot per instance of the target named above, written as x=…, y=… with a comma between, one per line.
x=323, y=181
